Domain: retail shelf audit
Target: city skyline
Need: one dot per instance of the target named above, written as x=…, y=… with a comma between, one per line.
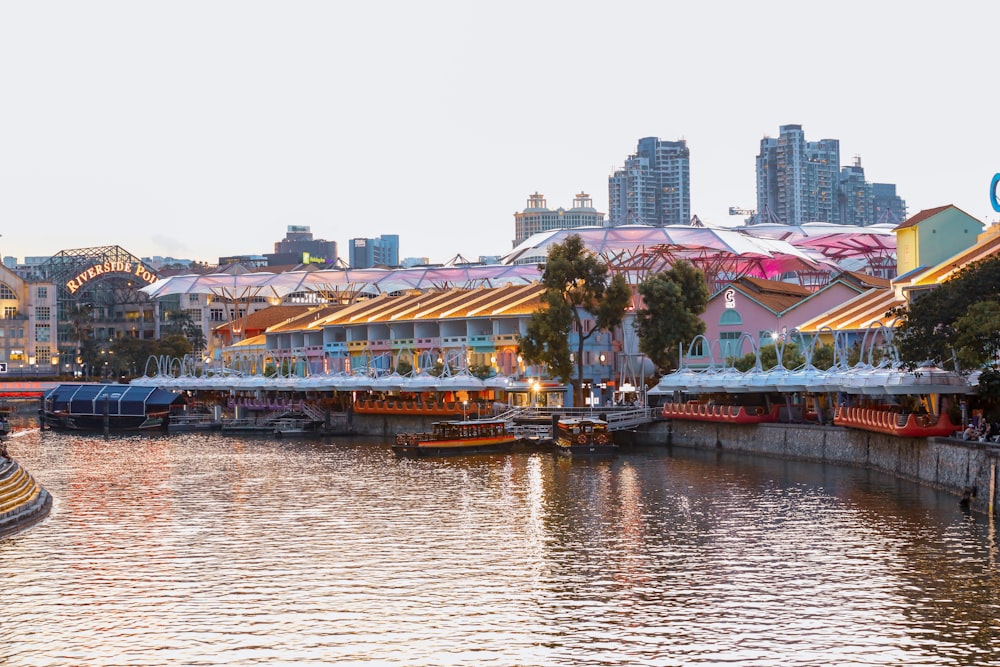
x=199, y=131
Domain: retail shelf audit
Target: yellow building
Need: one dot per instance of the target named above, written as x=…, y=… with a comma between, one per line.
x=932, y=236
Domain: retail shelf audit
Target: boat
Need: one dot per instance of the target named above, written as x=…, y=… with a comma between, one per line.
x=290, y=427
x=246, y=427
x=583, y=436
x=192, y=421
x=107, y=407
x=480, y=436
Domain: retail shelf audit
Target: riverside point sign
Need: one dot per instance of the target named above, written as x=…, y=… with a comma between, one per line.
x=993, y=192
x=136, y=270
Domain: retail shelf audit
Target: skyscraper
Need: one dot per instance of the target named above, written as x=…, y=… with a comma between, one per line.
x=801, y=181
x=653, y=187
x=797, y=179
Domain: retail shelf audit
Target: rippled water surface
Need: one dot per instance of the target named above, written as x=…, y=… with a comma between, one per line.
x=206, y=550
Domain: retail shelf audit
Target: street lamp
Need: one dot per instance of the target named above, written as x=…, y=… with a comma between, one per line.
x=465, y=407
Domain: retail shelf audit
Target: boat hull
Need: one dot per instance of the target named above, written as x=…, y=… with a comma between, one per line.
x=590, y=449
x=96, y=424
x=455, y=447
x=584, y=438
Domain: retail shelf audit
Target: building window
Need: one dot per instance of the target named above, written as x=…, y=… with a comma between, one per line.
x=43, y=292
x=6, y=292
x=697, y=348
x=42, y=313
x=193, y=298
x=194, y=314
x=43, y=355
x=42, y=333
x=217, y=315
x=730, y=317
x=9, y=312
x=727, y=343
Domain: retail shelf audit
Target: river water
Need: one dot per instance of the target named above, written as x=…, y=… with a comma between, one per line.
x=211, y=550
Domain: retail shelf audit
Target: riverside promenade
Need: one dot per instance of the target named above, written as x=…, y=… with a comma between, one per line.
x=967, y=469
x=23, y=501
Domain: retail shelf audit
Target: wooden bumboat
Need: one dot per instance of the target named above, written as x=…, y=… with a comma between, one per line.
x=482, y=436
x=583, y=436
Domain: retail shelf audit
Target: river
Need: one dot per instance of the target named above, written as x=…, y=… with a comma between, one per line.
x=210, y=550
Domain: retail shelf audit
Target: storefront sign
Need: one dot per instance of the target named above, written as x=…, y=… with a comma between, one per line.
x=136, y=270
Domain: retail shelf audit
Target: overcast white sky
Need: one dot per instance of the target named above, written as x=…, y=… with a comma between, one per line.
x=199, y=129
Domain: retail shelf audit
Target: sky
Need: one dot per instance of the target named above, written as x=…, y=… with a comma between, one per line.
x=202, y=129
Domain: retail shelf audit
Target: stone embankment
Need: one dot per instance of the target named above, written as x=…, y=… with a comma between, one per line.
x=23, y=501
x=967, y=469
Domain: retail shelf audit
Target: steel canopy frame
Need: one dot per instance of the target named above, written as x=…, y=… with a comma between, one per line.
x=722, y=253
x=341, y=283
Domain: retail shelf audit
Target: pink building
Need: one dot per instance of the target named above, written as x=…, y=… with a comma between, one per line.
x=758, y=309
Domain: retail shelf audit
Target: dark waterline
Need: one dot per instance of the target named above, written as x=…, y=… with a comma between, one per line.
x=205, y=550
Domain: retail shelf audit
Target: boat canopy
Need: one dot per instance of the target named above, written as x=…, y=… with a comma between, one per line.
x=122, y=400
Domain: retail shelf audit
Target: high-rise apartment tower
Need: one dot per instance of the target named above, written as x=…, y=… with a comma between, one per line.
x=653, y=187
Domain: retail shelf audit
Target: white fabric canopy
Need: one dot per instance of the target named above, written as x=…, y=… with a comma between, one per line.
x=375, y=281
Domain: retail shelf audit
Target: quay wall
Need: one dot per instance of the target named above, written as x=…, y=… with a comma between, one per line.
x=387, y=426
x=23, y=501
x=967, y=469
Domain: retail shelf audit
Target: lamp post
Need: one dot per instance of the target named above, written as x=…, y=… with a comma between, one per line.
x=465, y=408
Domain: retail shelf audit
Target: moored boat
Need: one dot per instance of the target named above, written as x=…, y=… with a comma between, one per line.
x=188, y=422
x=583, y=436
x=457, y=437
x=290, y=427
x=110, y=407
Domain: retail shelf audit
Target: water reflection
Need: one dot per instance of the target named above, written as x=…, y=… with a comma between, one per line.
x=201, y=549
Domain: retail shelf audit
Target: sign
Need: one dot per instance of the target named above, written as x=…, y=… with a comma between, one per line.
x=137, y=270
x=730, y=297
x=3, y=366
x=993, y=192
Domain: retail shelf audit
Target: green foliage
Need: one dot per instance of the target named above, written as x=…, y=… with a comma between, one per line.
x=672, y=303
x=942, y=325
x=481, y=371
x=180, y=322
x=823, y=357
x=791, y=358
x=404, y=367
x=576, y=281
x=978, y=335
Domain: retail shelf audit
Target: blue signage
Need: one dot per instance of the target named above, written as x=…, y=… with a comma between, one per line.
x=993, y=192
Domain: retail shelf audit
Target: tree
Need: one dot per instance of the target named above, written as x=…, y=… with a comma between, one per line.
x=977, y=338
x=938, y=326
x=576, y=283
x=180, y=322
x=672, y=304
x=81, y=332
